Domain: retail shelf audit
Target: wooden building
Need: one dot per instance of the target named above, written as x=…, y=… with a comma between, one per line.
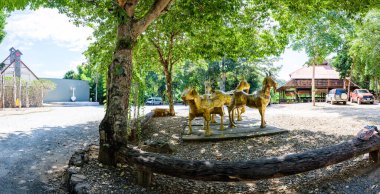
x=15, y=79
x=298, y=88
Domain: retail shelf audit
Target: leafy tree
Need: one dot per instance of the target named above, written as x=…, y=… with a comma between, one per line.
x=70, y=75
x=323, y=34
x=343, y=62
x=230, y=33
x=129, y=19
x=195, y=75
x=2, y=25
x=365, y=49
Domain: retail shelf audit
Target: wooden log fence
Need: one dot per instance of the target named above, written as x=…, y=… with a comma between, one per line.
x=265, y=168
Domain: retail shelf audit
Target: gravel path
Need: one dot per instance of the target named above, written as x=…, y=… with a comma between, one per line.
x=310, y=128
x=36, y=146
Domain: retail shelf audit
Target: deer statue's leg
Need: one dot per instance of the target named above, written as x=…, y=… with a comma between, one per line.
x=230, y=116
x=207, y=118
x=233, y=114
x=262, y=114
x=242, y=110
x=190, y=128
x=221, y=120
x=213, y=118
x=235, y=111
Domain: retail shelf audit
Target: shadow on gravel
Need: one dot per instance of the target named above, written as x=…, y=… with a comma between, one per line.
x=28, y=161
x=326, y=180
x=366, y=112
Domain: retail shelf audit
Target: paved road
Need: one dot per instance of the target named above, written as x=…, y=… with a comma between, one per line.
x=36, y=145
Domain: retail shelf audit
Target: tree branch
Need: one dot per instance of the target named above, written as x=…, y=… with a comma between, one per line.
x=158, y=48
x=174, y=61
x=157, y=9
x=170, y=53
x=129, y=6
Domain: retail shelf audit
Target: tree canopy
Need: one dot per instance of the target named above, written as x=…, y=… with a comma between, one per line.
x=323, y=34
x=2, y=25
x=365, y=48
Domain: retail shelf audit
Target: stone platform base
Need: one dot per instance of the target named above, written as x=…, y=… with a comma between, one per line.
x=244, y=129
x=58, y=104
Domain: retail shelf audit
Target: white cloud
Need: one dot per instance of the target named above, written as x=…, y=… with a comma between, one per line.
x=73, y=64
x=46, y=24
x=290, y=61
x=52, y=74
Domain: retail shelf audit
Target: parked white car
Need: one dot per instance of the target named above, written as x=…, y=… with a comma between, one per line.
x=154, y=101
x=337, y=95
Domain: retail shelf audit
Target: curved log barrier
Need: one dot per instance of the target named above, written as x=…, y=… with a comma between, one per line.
x=254, y=169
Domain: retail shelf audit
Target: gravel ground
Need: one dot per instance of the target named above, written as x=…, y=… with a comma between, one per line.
x=36, y=144
x=310, y=128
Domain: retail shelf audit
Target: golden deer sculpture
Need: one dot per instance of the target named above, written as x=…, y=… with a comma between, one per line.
x=243, y=86
x=227, y=97
x=258, y=100
x=201, y=107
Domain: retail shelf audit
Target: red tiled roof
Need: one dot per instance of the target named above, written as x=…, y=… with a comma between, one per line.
x=321, y=72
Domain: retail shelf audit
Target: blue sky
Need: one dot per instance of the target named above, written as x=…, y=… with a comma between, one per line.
x=51, y=45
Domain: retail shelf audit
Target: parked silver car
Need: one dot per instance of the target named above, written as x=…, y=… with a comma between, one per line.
x=154, y=101
x=337, y=95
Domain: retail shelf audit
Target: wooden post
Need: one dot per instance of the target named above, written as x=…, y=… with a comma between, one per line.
x=14, y=89
x=42, y=95
x=349, y=83
x=144, y=175
x=374, y=156
x=19, y=93
x=27, y=95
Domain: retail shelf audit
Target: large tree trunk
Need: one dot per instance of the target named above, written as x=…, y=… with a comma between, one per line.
x=169, y=90
x=113, y=128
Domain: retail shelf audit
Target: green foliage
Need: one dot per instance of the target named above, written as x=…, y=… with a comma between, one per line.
x=195, y=75
x=47, y=85
x=70, y=75
x=2, y=65
x=343, y=62
x=365, y=49
x=2, y=25
x=323, y=34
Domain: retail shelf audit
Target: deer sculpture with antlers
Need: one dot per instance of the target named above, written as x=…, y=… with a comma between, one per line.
x=203, y=107
x=258, y=100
